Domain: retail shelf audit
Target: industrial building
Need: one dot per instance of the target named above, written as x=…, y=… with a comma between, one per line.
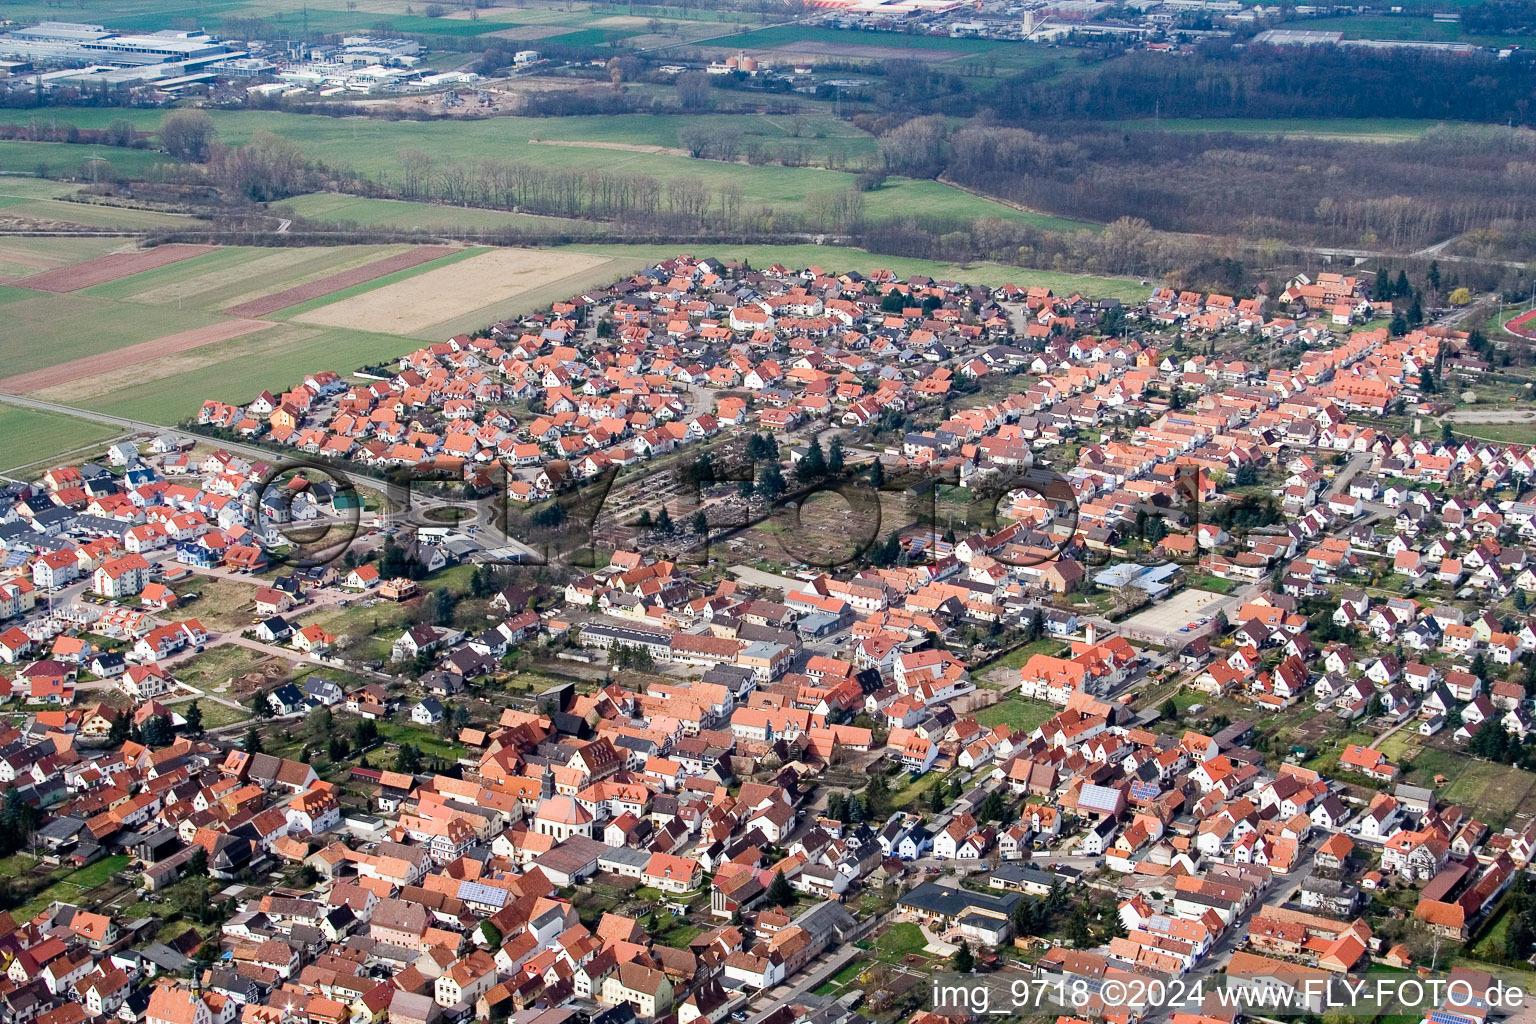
x=62, y=42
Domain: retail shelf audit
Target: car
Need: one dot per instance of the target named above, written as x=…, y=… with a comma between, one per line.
x=1183, y=629
x=739, y=1015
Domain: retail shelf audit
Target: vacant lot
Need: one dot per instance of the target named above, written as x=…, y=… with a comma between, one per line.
x=116, y=361
x=32, y=436
x=438, y=295
x=110, y=268
x=336, y=282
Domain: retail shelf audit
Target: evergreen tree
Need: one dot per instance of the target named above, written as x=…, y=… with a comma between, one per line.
x=964, y=961
x=664, y=521
x=813, y=465
x=780, y=893
x=260, y=705
x=252, y=743
x=835, y=457
x=876, y=474
x=644, y=522
x=194, y=717
x=1169, y=710
x=770, y=482
x=700, y=523
x=158, y=731
x=1402, y=289
x=408, y=759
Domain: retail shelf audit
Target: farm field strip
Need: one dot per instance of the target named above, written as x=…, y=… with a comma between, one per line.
x=274, y=270
x=110, y=268
x=82, y=390
x=120, y=359
x=49, y=328
x=22, y=257
x=426, y=299
x=173, y=398
x=596, y=276
x=336, y=282
x=132, y=286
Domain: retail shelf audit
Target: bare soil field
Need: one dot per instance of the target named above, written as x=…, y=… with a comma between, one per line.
x=115, y=362
x=827, y=48
x=110, y=268
x=438, y=295
x=336, y=282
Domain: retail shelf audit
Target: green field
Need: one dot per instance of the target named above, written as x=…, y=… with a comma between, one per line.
x=63, y=159
x=372, y=147
x=48, y=329
x=23, y=257
x=43, y=199
x=33, y=436
x=836, y=259
x=234, y=279
x=1017, y=713
x=1384, y=26
x=332, y=207
x=240, y=378
x=1512, y=433
x=1363, y=129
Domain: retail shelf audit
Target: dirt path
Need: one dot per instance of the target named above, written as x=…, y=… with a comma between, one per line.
x=118, y=359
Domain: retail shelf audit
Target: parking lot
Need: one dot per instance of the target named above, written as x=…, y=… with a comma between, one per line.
x=1162, y=623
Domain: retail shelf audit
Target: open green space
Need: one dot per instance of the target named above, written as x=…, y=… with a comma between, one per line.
x=836, y=259
x=70, y=886
x=898, y=941
x=333, y=207
x=1513, y=433
x=64, y=159
x=50, y=329
x=1017, y=713
x=33, y=436
x=1016, y=658
x=1418, y=29
x=372, y=147
x=428, y=742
